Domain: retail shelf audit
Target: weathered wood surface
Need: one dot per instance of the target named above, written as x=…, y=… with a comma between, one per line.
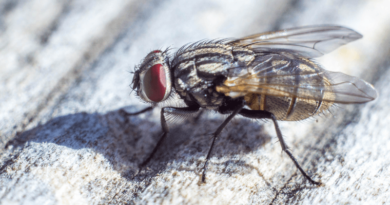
x=65, y=74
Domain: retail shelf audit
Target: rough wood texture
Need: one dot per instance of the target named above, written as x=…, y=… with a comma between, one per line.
x=65, y=75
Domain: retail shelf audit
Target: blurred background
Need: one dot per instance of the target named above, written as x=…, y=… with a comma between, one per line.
x=67, y=63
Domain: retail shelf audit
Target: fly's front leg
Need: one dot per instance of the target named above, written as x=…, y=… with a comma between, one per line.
x=125, y=113
x=165, y=128
x=260, y=114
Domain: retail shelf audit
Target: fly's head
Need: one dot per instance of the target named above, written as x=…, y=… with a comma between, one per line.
x=152, y=79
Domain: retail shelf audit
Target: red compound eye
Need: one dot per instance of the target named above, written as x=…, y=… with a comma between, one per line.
x=155, y=84
x=156, y=51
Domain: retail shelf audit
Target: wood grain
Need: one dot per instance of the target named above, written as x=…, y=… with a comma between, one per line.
x=65, y=74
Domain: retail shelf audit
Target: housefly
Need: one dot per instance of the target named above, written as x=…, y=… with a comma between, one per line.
x=262, y=76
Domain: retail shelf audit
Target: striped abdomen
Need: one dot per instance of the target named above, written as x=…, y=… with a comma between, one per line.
x=290, y=87
x=286, y=108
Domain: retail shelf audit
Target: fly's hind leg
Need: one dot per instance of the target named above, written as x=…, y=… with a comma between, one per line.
x=260, y=114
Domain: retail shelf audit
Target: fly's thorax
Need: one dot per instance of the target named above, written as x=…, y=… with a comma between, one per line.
x=243, y=55
x=199, y=68
x=152, y=80
x=195, y=70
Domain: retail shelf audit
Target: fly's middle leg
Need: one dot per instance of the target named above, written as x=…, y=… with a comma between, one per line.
x=215, y=135
x=260, y=114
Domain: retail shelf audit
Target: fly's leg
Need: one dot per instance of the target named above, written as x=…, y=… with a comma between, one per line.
x=135, y=113
x=164, y=126
x=198, y=115
x=260, y=114
x=215, y=135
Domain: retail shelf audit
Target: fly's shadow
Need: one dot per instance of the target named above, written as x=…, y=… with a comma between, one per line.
x=189, y=141
x=125, y=141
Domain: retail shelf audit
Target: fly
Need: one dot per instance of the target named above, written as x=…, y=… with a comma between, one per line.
x=262, y=76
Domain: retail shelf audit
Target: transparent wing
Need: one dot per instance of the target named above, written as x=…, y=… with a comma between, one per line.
x=278, y=76
x=310, y=41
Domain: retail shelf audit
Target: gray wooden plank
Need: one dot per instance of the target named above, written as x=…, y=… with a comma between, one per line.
x=78, y=148
x=46, y=44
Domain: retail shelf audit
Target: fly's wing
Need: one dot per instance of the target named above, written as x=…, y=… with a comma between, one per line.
x=309, y=42
x=277, y=75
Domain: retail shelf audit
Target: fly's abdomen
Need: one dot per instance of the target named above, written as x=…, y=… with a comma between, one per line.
x=287, y=108
x=296, y=99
